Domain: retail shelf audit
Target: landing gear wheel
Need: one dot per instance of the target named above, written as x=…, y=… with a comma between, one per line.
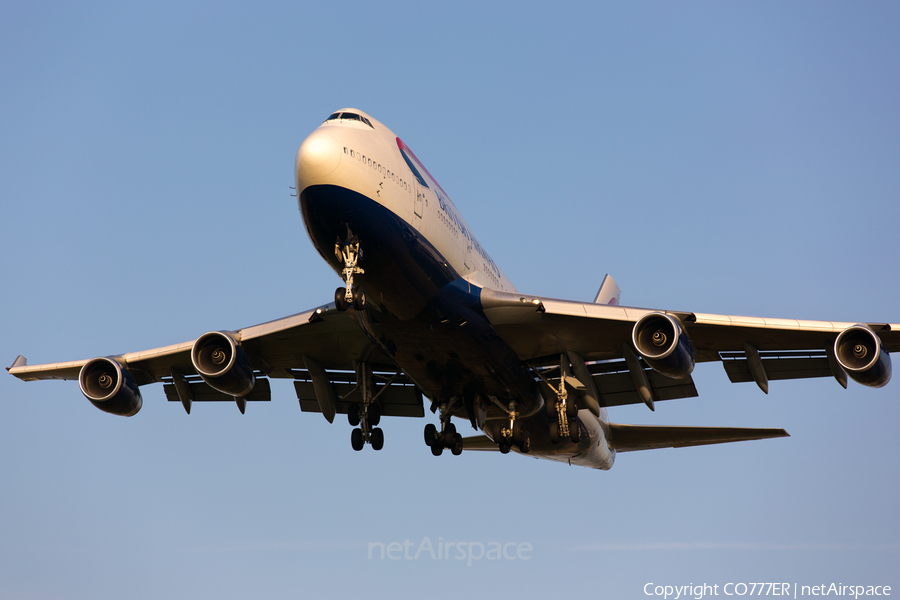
x=450, y=430
x=517, y=433
x=571, y=408
x=437, y=448
x=430, y=433
x=550, y=407
x=339, y=299
x=504, y=448
x=525, y=444
x=356, y=439
x=353, y=415
x=377, y=439
x=575, y=431
x=359, y=299
x=457, y=447
x=554, y=432
x=374, y=414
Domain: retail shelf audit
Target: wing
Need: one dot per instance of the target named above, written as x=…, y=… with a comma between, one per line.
x=323, y=350
x=629, y=438
x=750, y=348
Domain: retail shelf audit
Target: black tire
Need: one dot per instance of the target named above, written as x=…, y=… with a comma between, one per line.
x=554, y=432
x=504, y=448
x=377, y=439
x=525, y=444
x=550, y=406
x=374, y=414
x=339, y=302
x=571, y=408
x=457, y=446
x=437, y=449
x=359, y=299
x=575, y=431
x=356, y=440
x=430, y=433
x=353, y=415
x=518, y=431
x=450, y=429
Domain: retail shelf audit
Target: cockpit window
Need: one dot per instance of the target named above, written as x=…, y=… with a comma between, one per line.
x=348, y=116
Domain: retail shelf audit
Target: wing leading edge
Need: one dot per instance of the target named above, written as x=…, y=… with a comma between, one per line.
x=539, y=329
x=282, y=348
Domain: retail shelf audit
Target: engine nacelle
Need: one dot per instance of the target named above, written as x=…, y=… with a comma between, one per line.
x=110, y=387
x=662, y=341
x=859, y=352
x=223, y=364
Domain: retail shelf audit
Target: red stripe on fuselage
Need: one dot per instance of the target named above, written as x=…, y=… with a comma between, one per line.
x=404, y=148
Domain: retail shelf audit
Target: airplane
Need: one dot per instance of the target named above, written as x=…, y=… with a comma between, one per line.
x=425, y=313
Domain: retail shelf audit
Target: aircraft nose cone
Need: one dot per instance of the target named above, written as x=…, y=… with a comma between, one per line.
x=317, y=158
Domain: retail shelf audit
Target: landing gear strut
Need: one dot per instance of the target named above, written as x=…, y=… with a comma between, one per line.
x=349, y=254
x=366, y=415
x=515, y=434
x=564, y=409
x=447, y=437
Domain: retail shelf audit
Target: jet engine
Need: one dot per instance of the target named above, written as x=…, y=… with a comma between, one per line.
x=662, y=341
x=110, y=387
x=223, y=364
x=859, y=352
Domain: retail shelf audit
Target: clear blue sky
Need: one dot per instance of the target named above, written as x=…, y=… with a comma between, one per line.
x=714, y=157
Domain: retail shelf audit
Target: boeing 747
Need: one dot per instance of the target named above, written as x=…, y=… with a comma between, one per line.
x=425, y=317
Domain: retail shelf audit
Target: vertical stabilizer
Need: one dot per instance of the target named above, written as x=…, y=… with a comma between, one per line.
x=609, y=292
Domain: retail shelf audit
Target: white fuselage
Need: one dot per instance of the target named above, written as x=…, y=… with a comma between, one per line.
x=373, y=162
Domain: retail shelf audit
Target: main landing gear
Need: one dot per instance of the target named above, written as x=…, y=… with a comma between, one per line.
x=349, y=254
x=447, y=437
x=564, y=410
x=367, y=416
x=514, y=434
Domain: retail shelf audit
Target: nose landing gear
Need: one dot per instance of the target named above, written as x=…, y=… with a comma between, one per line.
x=349, y=253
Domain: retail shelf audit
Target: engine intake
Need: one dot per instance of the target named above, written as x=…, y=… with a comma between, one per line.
x=223, y=364
x=664, y=344
x=859, y=352
x=110, y=387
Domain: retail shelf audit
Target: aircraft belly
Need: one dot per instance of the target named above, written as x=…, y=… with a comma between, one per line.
x=403, y=271
x=421, y=313
x=447, y=360
x=591, y=451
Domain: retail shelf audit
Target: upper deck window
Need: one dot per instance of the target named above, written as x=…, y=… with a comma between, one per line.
x=348, y=116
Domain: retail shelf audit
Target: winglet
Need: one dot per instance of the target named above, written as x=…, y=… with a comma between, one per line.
x=21, y=361
x=609, y=292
